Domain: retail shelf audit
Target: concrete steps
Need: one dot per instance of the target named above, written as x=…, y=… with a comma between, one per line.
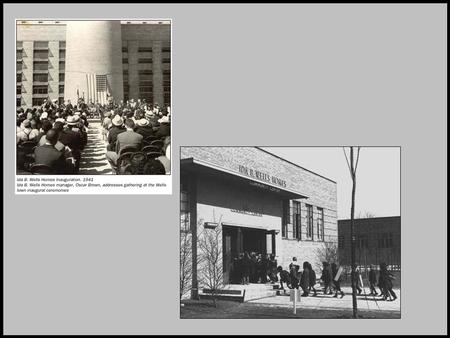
x=243, y=293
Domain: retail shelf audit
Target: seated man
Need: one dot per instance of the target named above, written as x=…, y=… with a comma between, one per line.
x=73, y=138
x=144, y=128
x=129, y=138
x=50, y=156
x=116, y=129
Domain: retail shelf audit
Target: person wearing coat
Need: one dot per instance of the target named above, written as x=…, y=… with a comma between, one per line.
x=385, y=283
x=285, y=277
x=336, y=282
x=246, y=263
x=312, y=279
x=372, y=280
x=304, y=279
x=326, y=277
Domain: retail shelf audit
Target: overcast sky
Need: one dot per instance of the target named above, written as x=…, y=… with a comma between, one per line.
x=378, y=176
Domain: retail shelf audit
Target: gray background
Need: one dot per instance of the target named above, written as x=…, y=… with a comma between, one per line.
x=242, y=75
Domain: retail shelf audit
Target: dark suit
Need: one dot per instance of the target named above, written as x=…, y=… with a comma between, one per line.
x=76, y=141
x=145, y=131
x=48, y=155
x=112, y=136
x=163, y=130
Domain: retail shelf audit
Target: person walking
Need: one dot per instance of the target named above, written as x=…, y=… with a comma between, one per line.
x=326, y=277
x=304, y=279
x=336, y=278
x=385, y=281
x=357, y=276
x=312, y=279
x=372, y=281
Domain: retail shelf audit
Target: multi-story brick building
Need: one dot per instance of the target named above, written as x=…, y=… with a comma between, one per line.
x=94, y=60
x=377, y=240
x=262, y=203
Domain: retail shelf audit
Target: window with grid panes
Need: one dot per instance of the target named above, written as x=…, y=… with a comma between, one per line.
x=285, y=218
x=61, y=77
x=185, y=207
x=320, y=224
x=40, y=89
x=296, y=219
x=40, y=77
x=309, y=221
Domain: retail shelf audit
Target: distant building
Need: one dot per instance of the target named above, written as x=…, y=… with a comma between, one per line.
x=93, y=60
x=377, y=240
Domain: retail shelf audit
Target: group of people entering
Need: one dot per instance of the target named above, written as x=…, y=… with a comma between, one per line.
x=252, y=267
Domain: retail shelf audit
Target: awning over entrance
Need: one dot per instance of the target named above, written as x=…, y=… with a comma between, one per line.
x=199, y=166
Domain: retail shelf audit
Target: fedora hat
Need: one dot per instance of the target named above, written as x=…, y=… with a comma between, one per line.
x=72, y=120
x=142, y=122
x=117, y=121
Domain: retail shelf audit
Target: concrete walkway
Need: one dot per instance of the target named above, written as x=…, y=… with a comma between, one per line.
x=93, y=157
x=322, y=301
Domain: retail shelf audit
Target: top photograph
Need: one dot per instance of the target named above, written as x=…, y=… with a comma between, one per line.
x=93, y=97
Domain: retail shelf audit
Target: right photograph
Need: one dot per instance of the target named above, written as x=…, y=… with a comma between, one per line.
x=290, y=232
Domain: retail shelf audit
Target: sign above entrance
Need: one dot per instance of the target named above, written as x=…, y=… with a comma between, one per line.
x=264, y=177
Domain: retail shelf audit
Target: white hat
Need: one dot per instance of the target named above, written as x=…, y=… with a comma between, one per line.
x=60, y=119
x=142, y=122
x=55, y=100
x=72, y=120
x=44, y=115
x=117, y=121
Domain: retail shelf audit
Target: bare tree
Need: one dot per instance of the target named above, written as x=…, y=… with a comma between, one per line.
x=185, y=262
x=210, y=254
x=352, y=166
x=366, y=214
x=328, y=252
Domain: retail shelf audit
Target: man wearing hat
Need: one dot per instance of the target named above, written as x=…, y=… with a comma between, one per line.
x=48, y=155
x=144, y=128
x=116, y=129
x=72, y=137
x=164, y=127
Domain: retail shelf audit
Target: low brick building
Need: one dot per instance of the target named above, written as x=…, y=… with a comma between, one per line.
x=377, y=240
x=262, y=203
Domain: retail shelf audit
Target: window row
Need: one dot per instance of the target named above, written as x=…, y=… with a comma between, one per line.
x=365, y=241
x=292, y=216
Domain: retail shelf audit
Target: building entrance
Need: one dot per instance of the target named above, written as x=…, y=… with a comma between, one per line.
x=238, y=240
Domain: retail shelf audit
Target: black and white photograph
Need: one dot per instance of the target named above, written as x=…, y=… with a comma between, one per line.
x=290, y=232
x=93, y=97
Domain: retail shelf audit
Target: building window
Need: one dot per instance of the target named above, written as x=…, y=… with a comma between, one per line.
x=125, y=60
x=165, y=50
x=185, y=212
x=19, y=54
x=40, y=44
x=62, y=65
x=61, y=77
x=40, y=54
x=320, y=224
x=19, y=66
x=62, y=45
x=62, y=53
x=40, y=89
x=61, y=100
x=296, y=219
x=40, y=65
x=362, y=242
x=19, y=77
x=37, y=101
x=285, y=218
x=144, y=49
x=309, y=221
x=385, y=240
x=145, y=60
x=146, y=83
x=145, y=89
x=341, y=242
x=61, y=89
x=165, y=60
x=19, y=44
x=124, y=50
x=166, y=99
x=19, y=90
x=18, y=102
x=40, y=77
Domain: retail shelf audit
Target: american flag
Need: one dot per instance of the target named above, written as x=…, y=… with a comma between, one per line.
x=97, y=88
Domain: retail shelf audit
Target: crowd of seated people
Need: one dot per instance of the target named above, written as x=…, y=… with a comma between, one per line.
x=138, y=139
x=50, y=138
